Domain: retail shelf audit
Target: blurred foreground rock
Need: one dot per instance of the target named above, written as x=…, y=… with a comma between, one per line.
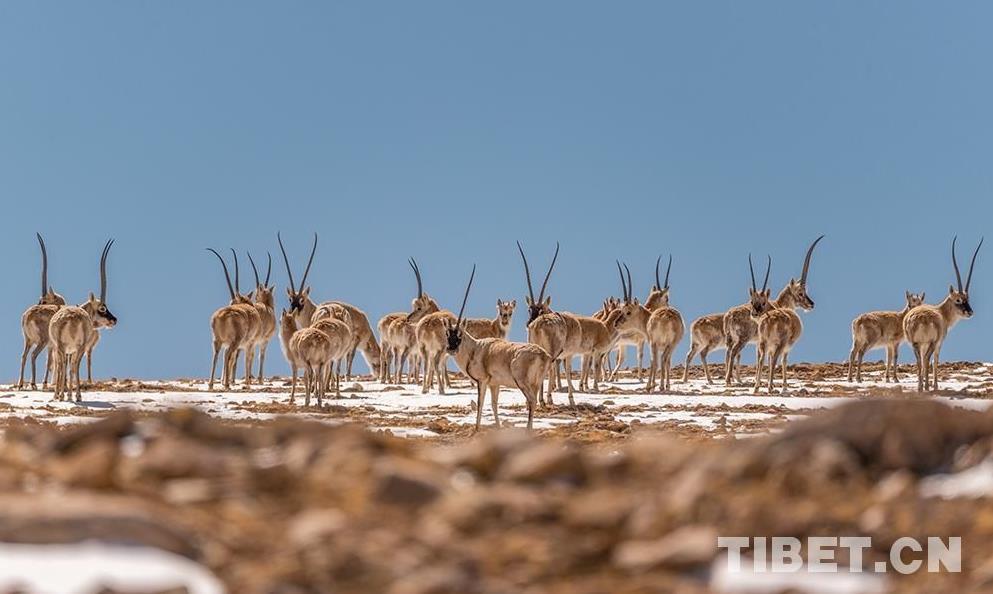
x=294, y=506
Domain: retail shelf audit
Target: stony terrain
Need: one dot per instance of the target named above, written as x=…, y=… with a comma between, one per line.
x=238, y=492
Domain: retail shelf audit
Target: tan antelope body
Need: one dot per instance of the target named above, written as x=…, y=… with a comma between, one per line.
x=597, y=338
x=497, y=327
x=926, y=326
x=430, y=333
x=389, y=355
x=234, y=328
x=264, y=301
x=494, y=363
x=706, y=335
x=779, y=326
x=303, y=307
x=35, y=320
x=339, y=333
x=740, y=329
x=306, y=348
x=71, y=330
x=879, y=329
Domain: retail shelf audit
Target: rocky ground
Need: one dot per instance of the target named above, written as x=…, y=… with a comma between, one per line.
x=242, y=498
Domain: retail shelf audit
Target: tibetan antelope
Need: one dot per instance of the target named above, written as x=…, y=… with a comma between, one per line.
x=779, y=326
x=308, y=348
x=303, y=307
x=664, y=330
x=878, y=329
x=34, y=323
x=264, y=301
x=926, y=326
x=559, y=333
x=336, y=325
x=398, y=334
x=71, y=331
x=494, y=362
x=245, y=302
x=706, y=334
x=601, y=335
x=497, y=327
x=233, y=328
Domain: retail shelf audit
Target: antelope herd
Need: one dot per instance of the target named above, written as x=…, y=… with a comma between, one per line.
x=323, y=339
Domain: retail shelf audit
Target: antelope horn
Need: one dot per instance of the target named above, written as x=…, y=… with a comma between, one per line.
x=466, y=296
x=768, y=267
x=268, y=271
x=237, y=274
x=624, y=288
x=806, y=260
x=658, y=283
x=547, y=276
x=417, y=273
x=968, y=279
x=227, y=276
x=44, y=265
x=103, y=271
x=527, y=271
x=955, y=264
x=630, y=284
x=255, y=270
x=751, y=269
x=286, y=260
x=667, y=270
x=313, y=250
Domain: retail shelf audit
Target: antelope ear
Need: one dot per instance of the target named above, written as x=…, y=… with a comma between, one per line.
x=636, y=302
x=513, y=303
x=922, y=297
x=499, y=303
x=289, y=293
x=548, y=301
x=529, y=301
x=907, y=295
x=92, y=296
x=951, y=289
x=306, y=292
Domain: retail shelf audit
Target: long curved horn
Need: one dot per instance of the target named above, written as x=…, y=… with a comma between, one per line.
x=255, y=270
x=624, y=287
x=44, y=265
x=630, y=284
x=466, y=296
x=268, y=271
x=417, y=273
x=286, y=260
x=227, y=276
x=103, y=271
x=955, y=264
x=541, y=295
x=968, y=278
x=237, y=273
x=768, y=267
x=306, y=272
x=658, y=283
x=527, y=271
x=806, y=260
x=751, y=269
x=668, y=269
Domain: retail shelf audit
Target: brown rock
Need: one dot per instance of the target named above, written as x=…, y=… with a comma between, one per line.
x=406, y=483
x=685, y=547
x=545, y=462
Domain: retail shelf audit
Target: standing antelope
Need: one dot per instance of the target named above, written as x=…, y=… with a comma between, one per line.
x=71, y=331
x=397, y=330
x=256, y=329
x=559, y=333
x=264, y=301
x=926, y=326
x=301, y=306
x=879, y=329
x=497, y=327
x=779, y=326
x=308, y=348
x=664, y=329
x=495, y=362
x=233, y=328
x=706, y=334
x=35, y=320
x=334, y=322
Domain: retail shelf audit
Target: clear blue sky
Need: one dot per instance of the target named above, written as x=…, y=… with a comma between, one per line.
x=446, y=130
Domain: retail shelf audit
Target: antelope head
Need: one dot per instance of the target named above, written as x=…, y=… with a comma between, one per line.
x=454, y=331
x=659, y=295
x=505, y=311
x=914, y=299
x=626, y=308
x=759, y=298
x=960, y=296
x=97, y=308
x=798, y=289
x=423, y=304
x=542, y=304
x=297, y=295
x=48, y=295
x=263, y=292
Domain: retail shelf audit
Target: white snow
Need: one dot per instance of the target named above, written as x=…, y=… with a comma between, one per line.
x=973, y=482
